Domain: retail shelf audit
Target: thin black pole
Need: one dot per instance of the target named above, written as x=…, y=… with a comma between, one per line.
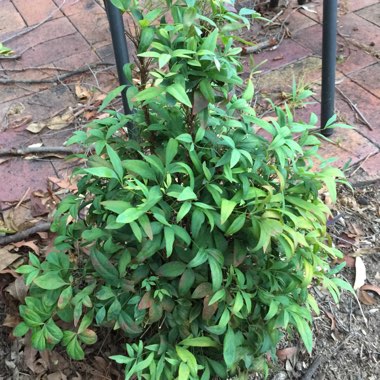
x=120, y=49
x=330, y=15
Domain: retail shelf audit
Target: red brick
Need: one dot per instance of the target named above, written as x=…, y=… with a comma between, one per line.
x=371, y=14
x=38, y=11
x=93, y=25
x=359, y=29
x=77, y=60
x=296, y=20
x=41, y=105
x=354, y=5
x=72, y=7
x=288, y=52
x=368, y=104
x=352, y=59
x=17, y=175
x=10, y=20
x=372, y=166
x=48, y=31
x=53, y=50
x=349, y=145
x=369, y=78
x=12, y=92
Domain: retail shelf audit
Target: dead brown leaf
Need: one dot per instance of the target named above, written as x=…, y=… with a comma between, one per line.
x=17, y=289
x=366, y=251
x=20, y=122
x=365, y=298
x=56, y=376
x=61, y=121
x=288, y=353
x=29, y=244
x=65, y=183
x=37, y=207
x=360, y=273
x=11, y=321
x=82, y=92
x=6, y=257
x=372, y=288
x=332, y=318
x=19, y=217
x=36, y=127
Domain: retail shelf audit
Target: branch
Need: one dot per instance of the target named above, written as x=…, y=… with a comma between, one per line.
x=260, y=46
x=58, y=78
x=39, y=150
x=45, y=226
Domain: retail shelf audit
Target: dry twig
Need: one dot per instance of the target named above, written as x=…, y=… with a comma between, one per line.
x=38, y=150
x=45, y=226
x=58, y=78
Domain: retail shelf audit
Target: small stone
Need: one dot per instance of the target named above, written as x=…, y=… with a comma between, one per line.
x=280, y=376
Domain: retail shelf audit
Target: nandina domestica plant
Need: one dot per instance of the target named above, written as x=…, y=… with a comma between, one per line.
x=198, y=239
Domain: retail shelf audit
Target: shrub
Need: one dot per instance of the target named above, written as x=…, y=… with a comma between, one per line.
x=199, y=239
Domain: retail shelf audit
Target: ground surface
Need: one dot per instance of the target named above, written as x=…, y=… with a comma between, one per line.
x=40, y=107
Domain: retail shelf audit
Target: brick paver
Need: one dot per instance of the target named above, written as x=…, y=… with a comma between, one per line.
x=10, y=19
x=35, y=11
x=369, y=79
x=368, y=104
x=371, y=14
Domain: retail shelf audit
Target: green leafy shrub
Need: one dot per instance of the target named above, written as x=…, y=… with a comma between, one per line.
x=199, y=239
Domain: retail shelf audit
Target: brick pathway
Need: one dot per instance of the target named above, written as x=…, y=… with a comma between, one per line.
x=73, y=33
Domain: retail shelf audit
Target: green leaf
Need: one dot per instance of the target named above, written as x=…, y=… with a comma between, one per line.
x=148, y=94
x=65, y=297
x=39, y=340
x=183, y=371
x=111, y=96
x=236, y=225
x=201, y=341
x=146, y=38
x=102, y=172
x=140, y=366
x=305, y=331
x=178, y=91
x=183, y=211
x=130, y=215
x=74, y=349
x=229, y=348
x=216, y=274
x=21, y=329
x=103, y=266
x=50, y=281
x=249, y=92
x=52, y=332
x=186, y=281
x=88, y=337
x=140, y=168
x=171, y=269
x=187, y=194
x=207, y=90
x=163, y=60
x=227, y=207
x=171, y=151
x=169, y=240
x=115, y=161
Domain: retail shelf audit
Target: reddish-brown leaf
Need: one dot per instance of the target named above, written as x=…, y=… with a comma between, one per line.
x=146, y=301
x=287, y=353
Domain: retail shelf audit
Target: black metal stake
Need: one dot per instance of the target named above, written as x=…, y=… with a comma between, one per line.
x=330, y=13
x=120, y=49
